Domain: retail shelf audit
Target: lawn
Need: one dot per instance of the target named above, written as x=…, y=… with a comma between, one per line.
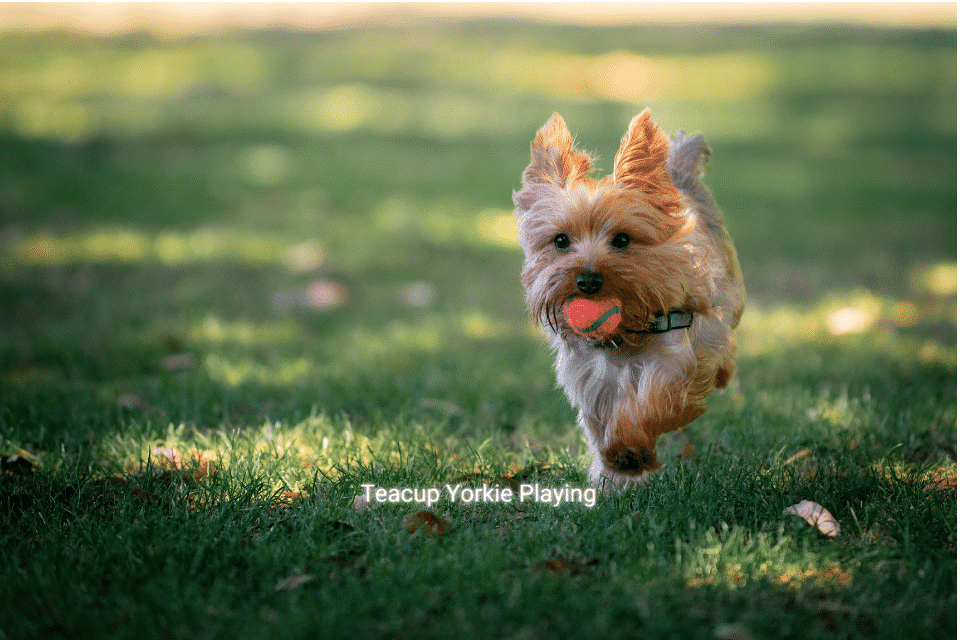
x=244, y=274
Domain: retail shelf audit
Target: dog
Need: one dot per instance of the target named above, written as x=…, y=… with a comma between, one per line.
x=636, y=282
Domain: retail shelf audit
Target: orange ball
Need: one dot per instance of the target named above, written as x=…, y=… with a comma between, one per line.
x=592, y=317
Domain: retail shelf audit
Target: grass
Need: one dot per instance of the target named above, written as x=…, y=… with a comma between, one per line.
x=245, y=274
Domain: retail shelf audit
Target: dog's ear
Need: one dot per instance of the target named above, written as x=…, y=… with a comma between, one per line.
x=641, y=163
x=553, y=158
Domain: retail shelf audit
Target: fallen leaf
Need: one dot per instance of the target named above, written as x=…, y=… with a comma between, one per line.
x=133, y=402
x=428, y=522
x=203, y=465
x=803, y=453
x=687, y=452
x=179, y=362
x=513, y=483
x=166, y=457
x=447, y=408
x=551, y=566
x=944, y=481
x=815, y=515
x=293, y=582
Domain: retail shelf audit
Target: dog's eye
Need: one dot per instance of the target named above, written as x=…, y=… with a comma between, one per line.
x=561, y=241
x=620, y=241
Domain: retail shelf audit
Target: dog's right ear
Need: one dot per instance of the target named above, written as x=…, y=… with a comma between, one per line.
x=553, y=157
x=553, y=160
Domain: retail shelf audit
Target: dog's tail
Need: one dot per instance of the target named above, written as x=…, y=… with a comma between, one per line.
x=687, y=160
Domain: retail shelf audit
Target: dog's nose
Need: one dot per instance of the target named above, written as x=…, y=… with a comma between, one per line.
x=589, y=282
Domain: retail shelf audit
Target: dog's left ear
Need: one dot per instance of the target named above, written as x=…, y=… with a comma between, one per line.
x=641, y=164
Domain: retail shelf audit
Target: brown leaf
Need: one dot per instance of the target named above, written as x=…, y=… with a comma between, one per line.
x=293, y=582
x=203, y=464
x=360, y=502
x=166, y=457
x=133, y=402
x=447, y=408
x=944, y=481
x=815, y=515
x=552, y=566
x=508, y=478
x=179, y=362
x=428, y=522
x=803, y=453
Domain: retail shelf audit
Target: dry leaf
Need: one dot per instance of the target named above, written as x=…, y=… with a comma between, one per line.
x=944, y=481
x=179, y=362
x=133, y=402
x=447, y=408
x=172, y=457
x=293, y=582
x=428, y=522
x=551, y=566
x=803, y=453
x=815, y=515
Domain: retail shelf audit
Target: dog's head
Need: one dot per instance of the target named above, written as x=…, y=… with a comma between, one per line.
x=620, y=237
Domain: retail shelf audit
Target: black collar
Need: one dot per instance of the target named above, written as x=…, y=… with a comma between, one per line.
x=662, y=323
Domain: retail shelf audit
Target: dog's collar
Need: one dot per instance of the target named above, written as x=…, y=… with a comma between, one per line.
x=662, y=323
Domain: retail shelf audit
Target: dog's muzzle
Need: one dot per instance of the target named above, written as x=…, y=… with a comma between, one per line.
x=589, y=282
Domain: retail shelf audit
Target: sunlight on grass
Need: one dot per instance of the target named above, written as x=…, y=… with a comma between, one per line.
x=216, y=331
x=172, y=248
x=628, y=77
x=858, y=313
x=431, y=334
x=234, y=372
x=294, y=455
x=736, y=557
x=477, y=325
x=266, y=165
x=448, y=221
x=938, y=279
x=396, y=337
x=392, y=83
x=497, y=227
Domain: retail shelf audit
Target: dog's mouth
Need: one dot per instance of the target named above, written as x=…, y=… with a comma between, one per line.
x=630, y=333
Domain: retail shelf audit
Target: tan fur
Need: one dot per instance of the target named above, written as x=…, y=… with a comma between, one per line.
x=630, y=387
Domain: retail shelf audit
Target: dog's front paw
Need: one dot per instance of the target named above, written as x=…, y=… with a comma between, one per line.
x=630, y=459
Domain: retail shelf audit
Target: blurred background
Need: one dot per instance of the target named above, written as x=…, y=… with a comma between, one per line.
x=213, y=214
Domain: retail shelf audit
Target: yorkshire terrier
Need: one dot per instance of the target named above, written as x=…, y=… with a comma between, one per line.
x=635, y=281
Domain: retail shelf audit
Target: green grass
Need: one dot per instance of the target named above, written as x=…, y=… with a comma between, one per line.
x=168, y=207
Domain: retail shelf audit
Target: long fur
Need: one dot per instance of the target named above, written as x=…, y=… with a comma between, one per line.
x=631, y=387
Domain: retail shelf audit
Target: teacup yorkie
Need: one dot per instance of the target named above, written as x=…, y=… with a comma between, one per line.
x=636, y=282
